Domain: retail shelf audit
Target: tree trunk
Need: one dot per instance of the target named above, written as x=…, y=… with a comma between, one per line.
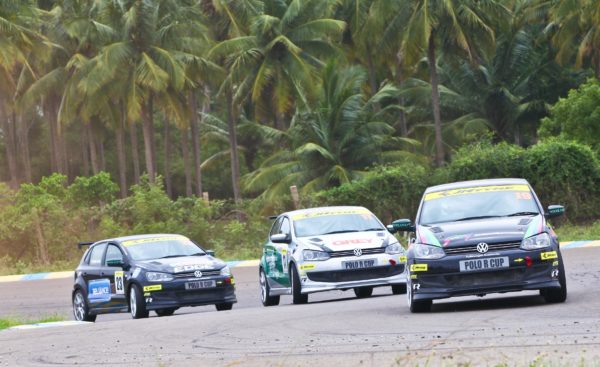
x=59, y=154
x=42, y=248
x=10, y=142
x=235, y=161
x=399, y=81
x=52, y=134
x=92, y=148
x=435, y=101
x=167, y=140
x=372, y=72
x=195, y=129
x=85, y=153
x=185, y=151
x=101, y=154
x=135, y=156
x=148, y=140
x=121, y=157
x=23, y=142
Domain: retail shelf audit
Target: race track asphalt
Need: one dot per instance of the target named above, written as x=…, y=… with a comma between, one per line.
x=335, y=328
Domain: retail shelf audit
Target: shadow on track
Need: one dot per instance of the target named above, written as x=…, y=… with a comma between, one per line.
x=489, y=304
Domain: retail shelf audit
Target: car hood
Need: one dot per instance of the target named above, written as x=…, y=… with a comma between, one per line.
x=349, y=241
x=182, y=264
x=472, y=232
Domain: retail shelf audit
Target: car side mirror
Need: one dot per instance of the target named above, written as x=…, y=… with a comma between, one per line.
x=116, y=263
x=403, y=225
x=280, y=238
x=555, y=211
x=391, y=229
x=210, y=252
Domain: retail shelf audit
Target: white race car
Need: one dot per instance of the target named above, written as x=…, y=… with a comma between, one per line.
x=322, y=249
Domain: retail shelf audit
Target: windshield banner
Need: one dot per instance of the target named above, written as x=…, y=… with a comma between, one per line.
x=475, y=190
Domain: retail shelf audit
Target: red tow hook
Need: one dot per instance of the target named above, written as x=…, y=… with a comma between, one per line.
x=528, y=261
x=392, y=262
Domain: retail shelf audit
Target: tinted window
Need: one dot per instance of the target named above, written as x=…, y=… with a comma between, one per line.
x=113, y=253
x=285, y=226
x=96, y=254
x=276, y=225
x=335, y=221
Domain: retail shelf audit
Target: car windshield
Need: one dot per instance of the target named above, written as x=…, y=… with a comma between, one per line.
x=477, y=203
x=161, y=248
x=321, y=223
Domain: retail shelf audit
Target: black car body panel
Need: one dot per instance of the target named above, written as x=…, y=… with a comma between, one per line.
x=106, y=288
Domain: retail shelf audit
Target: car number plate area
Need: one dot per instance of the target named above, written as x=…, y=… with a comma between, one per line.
x=484, y=263
x=200, y=284
x=358, y=264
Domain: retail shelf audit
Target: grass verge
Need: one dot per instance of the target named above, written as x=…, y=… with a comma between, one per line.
x=573, y=232
x=7, y=322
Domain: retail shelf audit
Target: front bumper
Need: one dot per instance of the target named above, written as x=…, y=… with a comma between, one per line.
x=527, y=270
x=331, y=274
x=174, y=295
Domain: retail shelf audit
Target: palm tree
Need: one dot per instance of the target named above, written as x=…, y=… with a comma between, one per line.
x=462, y=27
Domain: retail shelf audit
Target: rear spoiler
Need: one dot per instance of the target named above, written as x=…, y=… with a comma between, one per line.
x=81, y=244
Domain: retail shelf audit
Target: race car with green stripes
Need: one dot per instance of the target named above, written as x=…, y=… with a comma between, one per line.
x=329, y=248
x=152, y=272
x=480, y=237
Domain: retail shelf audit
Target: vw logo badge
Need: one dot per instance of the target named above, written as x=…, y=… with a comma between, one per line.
x=357, y=252
x=482, y=247
x=198, y=274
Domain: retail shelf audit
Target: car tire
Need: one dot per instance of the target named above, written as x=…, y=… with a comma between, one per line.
x=265, y=289
x=137, y=305
x=165, y=312
x=81, y=311
x=363, y=292
x=557, y=295
x=297, y=297
x=224, y=306
x=416, y=306
x=399, y=289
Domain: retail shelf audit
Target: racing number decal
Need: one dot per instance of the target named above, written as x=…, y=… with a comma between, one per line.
x=119, y=286
x=284, y=262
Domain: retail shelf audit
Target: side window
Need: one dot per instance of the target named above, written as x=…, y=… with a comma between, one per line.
x=285, y=227
x=96, y=254
x=113, y=253
x=275, y=228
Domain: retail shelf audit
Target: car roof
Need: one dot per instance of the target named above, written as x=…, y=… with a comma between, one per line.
x=473, y=183
x=321, y=208
x=140, y=237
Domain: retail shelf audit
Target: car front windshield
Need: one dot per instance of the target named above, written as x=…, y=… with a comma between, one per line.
x=322, y=223
x=477, y=203
x=161, y=248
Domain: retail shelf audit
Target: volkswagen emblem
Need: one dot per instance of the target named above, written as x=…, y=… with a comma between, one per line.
x=357, y=252
x=198, y=274
x=482, y=247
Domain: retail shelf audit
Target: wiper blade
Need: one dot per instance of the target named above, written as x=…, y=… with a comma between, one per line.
x=518, y=214
x=169, y=256
x=344, y=231
x=479, y=217
x=373, y=229
x=198, y=254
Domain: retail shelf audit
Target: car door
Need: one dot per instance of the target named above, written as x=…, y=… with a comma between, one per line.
x=116, y=277
x=97, y=287
x=277, y=256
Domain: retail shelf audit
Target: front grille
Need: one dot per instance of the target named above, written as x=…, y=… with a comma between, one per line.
x=354, y=275
x=485, y=279
x=190, y=274
x=365, y=251
x=491, y=247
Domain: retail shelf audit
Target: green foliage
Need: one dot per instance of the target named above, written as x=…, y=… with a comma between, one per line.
x=7, y=322
x=576, y=117
x=91, y=191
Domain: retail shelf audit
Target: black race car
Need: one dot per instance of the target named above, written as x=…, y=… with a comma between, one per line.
x=479, y=237
x=154, y=272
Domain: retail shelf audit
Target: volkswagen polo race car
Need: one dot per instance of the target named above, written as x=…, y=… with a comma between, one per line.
x=155, y=272
x=321, y=249
x=479, y=237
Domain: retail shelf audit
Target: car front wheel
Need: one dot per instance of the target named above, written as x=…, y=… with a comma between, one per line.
x=165, y=312
x=137, y=306
x=416, y=306
x=297, y=297
x=557, y=295
x=80, y=308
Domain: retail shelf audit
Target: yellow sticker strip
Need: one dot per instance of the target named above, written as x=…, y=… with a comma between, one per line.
x=418, y=267
x=307, y=267
x=151, y=288
x=474, y=190
x=549, y=255
x=153, y=239
x=325, y=213
x=402, y=259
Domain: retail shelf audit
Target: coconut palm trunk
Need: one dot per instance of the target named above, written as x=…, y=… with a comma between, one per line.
x=167, y=166
x=121, y=157
x=23, y=143
x=148, y=140
x=8, y=127
x=195, y=129
x=93, y=148
x=235, y=160
x=185, y=152
x=135, y=156
x=435, y=101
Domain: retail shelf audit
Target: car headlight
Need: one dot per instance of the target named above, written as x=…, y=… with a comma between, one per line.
x=541, y=240
x=394, y=248
x=423, y=251
x=313, y=255
x=158, y=277
x=226, y=271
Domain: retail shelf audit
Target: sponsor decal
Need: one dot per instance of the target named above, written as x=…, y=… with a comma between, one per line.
x=555, y=263
x=427, y=237
x=325, y=213
x=152, y=288
x=416, y=286
x=418, y=267
x=183, y=268
x=352, y=241
x=99, y=290
x=519, y=260
x=554, y=273
x=307, y=266
x=475, y=190
x=549, y=255
x=535, y=227
x=152, y=239
x=119, y=283
x=402, y=259
x=413, y=276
